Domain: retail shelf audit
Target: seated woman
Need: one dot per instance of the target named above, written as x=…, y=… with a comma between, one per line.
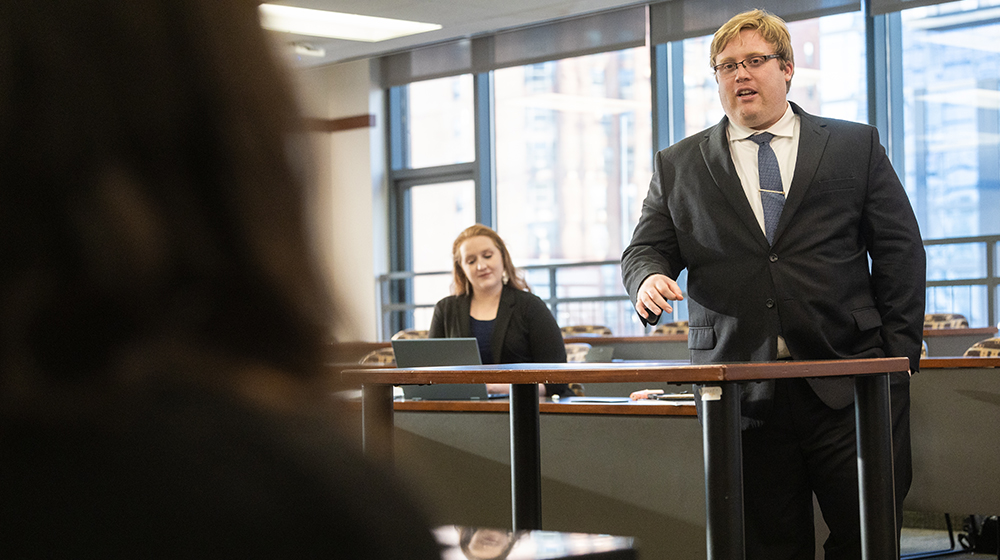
x=494, y=304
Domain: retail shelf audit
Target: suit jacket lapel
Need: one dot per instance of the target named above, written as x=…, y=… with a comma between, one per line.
x=812, y=142
x=718, y=158
x=504, y=313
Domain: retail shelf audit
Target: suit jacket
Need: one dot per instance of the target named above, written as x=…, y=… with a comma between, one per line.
x=525, y=330
x=813, y=286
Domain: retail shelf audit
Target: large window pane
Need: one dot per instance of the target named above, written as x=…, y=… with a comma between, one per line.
x=951, y=70
x=951, y=105
x=439, y=213
x=440, y=123
x=573, y=149
x=573, y=145
x=829, y=72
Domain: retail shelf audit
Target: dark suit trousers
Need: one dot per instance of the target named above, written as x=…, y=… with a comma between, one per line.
x=806, y=447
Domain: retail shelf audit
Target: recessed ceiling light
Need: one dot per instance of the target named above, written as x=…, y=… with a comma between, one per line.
x=335, y=25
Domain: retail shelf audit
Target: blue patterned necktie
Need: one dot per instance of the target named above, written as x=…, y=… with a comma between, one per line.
x=772, y=195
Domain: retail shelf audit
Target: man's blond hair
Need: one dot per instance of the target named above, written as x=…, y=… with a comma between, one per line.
x=770, y=27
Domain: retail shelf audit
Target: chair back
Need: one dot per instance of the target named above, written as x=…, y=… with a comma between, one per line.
x=577, y=351
x=383, y=356
x=585, y=330
x=945, y=321
x=677, y=327
x=985, y=348
x=410, y=333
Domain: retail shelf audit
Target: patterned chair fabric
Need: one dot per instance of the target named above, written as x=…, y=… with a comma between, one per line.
x=409, y=333
x=577, y=351
x=983, y=348
x=585, y=330
x=677, y=327
x=382, y=356
x=945, y=321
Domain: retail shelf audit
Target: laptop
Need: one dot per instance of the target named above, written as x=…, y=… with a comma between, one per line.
x=429, y=352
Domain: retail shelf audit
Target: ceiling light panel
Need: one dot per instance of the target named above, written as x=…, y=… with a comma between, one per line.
x=335, y=25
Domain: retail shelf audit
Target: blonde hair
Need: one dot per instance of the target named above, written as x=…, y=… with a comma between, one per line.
x=770, y=27
x=462, y=284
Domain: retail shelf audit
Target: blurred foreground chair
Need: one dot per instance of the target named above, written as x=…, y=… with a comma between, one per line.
x=677, y=327
x=945, y=321
x=585, y=330
x=383, y=356
x=985, y=348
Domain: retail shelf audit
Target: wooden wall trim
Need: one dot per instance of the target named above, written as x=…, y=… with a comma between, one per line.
x=339, y=125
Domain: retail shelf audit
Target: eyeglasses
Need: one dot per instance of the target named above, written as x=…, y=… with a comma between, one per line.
x=727, y=69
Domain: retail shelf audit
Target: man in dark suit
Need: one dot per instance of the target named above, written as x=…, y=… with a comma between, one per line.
x=834, y=271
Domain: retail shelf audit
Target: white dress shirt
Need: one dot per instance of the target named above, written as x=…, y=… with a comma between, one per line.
x=744, y=151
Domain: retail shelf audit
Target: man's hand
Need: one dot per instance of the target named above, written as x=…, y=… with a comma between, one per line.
x=653, y=294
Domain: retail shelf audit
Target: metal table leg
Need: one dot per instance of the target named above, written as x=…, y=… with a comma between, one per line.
x=376, y=422
x=525, y=458
x=876, y=486
x=723, y=449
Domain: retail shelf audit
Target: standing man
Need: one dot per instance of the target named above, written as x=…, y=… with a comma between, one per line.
x=800, y=243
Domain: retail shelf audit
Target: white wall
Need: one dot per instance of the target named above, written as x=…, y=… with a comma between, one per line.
x=350, y=198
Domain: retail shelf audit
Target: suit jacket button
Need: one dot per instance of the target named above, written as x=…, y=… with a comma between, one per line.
x=769, y=303
x=772, y=257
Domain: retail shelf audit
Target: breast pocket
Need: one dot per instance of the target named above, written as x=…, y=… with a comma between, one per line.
x=837, y=184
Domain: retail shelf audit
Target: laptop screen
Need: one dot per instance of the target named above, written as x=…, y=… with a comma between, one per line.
x=430, y=352
x=424, y=352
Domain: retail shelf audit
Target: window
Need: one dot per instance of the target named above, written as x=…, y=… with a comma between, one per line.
x=439, y=212
x=951, y=104
x=440, y=123
x=573, y=146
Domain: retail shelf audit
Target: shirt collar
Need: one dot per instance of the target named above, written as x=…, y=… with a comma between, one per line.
x=784, y=127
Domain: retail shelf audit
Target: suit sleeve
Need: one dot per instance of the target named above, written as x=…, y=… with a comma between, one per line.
x=653, y=249
x=898, y=264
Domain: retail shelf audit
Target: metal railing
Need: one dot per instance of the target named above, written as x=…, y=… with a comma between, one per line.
x=962, y=278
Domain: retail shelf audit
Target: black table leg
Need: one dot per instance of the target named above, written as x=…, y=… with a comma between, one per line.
x=723, y=449
x=376, y=422
x=875, y=474
x=525, y=458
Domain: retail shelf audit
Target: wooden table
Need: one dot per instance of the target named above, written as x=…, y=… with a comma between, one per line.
x=720, y=421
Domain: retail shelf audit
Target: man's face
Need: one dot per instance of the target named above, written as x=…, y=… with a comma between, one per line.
x=753, y=98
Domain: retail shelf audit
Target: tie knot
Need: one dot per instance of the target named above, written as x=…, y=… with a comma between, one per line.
x=762, y=138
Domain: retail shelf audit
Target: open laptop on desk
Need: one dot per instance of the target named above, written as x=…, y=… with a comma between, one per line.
x=429, y=352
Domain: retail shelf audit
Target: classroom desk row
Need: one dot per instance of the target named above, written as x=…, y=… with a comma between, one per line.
x=940, y=342
x=638, y=469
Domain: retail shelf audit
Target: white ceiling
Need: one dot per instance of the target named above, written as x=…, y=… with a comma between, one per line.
x=459, y=18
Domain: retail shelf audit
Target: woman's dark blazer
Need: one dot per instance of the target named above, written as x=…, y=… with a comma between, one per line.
x=525, y=330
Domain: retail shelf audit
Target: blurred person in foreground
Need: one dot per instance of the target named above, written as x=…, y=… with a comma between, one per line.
x=835, y=271
x=161, y=391
x=493, y=303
